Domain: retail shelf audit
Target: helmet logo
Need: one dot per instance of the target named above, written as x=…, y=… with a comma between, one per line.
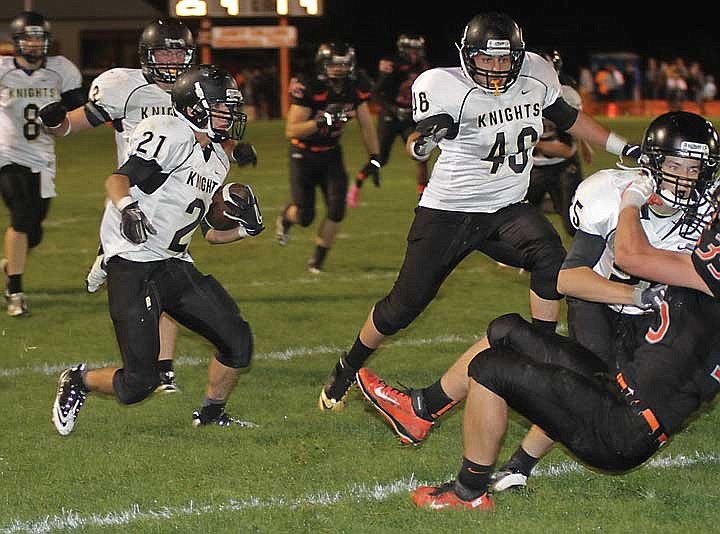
x=174, y=43
x=695, y=148
x=34, y=29
x=498, y=47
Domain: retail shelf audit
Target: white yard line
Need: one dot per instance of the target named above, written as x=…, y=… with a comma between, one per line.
x=357, y=493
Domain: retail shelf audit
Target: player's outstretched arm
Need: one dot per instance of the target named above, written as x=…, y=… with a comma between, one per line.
x=59, y=122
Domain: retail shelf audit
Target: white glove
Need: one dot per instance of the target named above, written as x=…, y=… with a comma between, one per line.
x=638, y=192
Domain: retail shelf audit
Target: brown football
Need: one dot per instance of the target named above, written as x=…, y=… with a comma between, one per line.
x=219, y=206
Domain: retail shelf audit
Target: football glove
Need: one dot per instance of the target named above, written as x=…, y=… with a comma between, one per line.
x=639, y=192
x=246, y=211
x=331, y=120
x=631, y=151
x=432, y=130
x=245, y=154
x=372, y=169
x=134, y=225
x=53, y=114
x=649, y=298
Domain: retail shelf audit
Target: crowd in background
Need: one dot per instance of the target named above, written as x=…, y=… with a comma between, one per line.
x=675, y=81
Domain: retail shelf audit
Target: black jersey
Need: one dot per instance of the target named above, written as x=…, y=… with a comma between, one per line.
x=679, y=367
x=394, y=83
x=318, y=95
x=706, y=257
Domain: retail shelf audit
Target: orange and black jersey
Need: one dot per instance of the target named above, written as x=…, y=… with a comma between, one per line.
x=706, y=257
x=394, y=82
x=318, y=95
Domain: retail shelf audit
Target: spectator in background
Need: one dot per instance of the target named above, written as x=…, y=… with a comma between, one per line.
x=695, y=81
x=650, y=89
x=709, y=88
x=603, y=83
x=616, y=84
x=586, y=85
x=676, y=88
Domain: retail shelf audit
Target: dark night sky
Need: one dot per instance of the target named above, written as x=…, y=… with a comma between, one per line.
x=577, y=28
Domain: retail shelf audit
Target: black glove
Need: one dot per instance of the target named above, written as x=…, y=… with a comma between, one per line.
x=432, y=130
x=245, y=154
x=631, y=151
x=649, y=298
x=372, y=169
x=135, y=226
x=246, y=211
x=332, y=119
x=52, y=114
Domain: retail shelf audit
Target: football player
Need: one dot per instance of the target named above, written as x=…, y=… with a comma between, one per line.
x=627, y=413
x=609, y=311
x=123, y=97
x=557, y=169
x=392, y=91
x=486, y=116
x=320, y=107
x=29, y=79
x=156, y=200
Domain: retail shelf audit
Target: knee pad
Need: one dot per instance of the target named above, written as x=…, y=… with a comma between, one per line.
x=544, y=272
x=389, y=316
x=305, y=216
x=133, y=387
x=500, y=329
x=35, y=236
x=239, y=350
x=336, y=211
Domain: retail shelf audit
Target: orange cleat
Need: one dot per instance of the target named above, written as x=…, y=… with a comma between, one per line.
x=444, y=497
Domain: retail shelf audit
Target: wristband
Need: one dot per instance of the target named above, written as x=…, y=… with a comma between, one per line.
x=124, y=202
x=615, y=144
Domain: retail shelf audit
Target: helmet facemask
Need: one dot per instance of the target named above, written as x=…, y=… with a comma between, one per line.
x=32, y=44
x=165, y=64
x=336, y=64
x=492, y=79
x=218, y=118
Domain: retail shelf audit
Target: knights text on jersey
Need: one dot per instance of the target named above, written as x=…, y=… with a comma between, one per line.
x=487, y=165
x=22, y=93
x=595, y=210
x=180, y=194
x=125, y=95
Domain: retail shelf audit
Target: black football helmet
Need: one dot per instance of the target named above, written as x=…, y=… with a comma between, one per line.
x=492, y=34
x=196, y=95
x=27, y=26
x=553, y=56
x=411, y=47
x=335, y=61
x=165, y=34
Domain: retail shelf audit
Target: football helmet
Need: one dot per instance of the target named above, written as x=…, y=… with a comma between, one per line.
x=207, y=98
x=411, y=48
x=165, y=35
x=335, y=61
x=30, y=26
x=495, y=35
x=683, y=135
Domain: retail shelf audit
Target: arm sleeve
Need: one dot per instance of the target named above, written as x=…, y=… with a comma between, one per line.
x=146, y=174
x=585, y=250
x=561, y=113
x=74, y=98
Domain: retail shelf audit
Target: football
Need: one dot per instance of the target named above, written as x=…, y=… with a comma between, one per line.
x=222, y=204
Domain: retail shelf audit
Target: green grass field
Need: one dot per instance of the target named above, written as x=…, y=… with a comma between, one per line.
x=146, y=469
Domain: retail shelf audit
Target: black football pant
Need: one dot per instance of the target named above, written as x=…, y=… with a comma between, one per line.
x=138, y=292
x=325, y=170
x=560, y=181
x=564, y=389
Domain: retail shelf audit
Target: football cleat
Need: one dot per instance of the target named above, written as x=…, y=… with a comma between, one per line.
x=70, y=397
x=282, y=235
x=96, y=275
x=508, y=477
x=353, y=196
x=445, y=497
x=16, y=305
x=335, y=391
x=313, y=267
x=394, y=405
x=167, y=383
x=224, y=420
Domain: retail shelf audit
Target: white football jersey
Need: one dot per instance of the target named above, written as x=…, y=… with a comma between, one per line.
x=177, y=206
x=487, y=165
x=595, y=210
x=127, y=97
x=550, y=132
x=22, y=94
